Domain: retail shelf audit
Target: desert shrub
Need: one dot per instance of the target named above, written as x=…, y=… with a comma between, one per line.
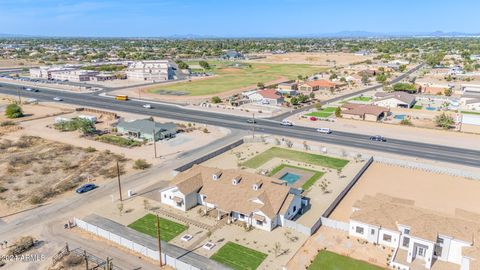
x=3, y=189
x=141, y=164
x=23, y=244
x=35, y=199
x=7, y=123
x=13, y=111
x=83, y=125
x=117, y=140
x=111, y=171
x=90, y=149
x=72, y=260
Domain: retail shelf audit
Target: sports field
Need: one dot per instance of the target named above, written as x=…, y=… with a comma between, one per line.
x=239, y=257
x=148, y=225
x=229, y=77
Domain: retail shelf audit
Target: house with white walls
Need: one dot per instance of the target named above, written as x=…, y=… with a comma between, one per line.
x=420, y=238
x=259, y=201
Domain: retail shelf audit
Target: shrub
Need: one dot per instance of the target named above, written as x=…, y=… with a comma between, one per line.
x=117, y=140
x=23, y=244
x=444, y=120
x=141, y=164
x=84, y=125
x=216, y=100
x=406, y=122
x=90, y=149
x=13, y=111
x=3, y=189
x=7, y=123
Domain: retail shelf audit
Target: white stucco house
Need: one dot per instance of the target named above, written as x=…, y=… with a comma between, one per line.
x=258, y=201
x=420, y=238
x=394, y=99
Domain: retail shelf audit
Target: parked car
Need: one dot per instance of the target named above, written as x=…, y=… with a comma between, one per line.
x=286, y=123
x=324, y=130
x=251, y=121
x=312, y=118
x=57, y=98
x=378, y=138
x=85, y=188
x=147, y=106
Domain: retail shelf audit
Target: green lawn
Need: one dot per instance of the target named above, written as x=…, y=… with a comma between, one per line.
x=467, y=112
x=326, y=260
x=117, y=140
x=324, y=161
x=365, y=99
x=327, y=112
x=231, y=78
x=317, y=175
x=239, y=257
x=417, y=107
x=148, y=225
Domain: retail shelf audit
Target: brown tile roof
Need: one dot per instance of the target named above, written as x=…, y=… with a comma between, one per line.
x=269, y=93
x=269, y=198
x=361, y=109
x=433, y=90
x=321, y=83
x=385, y=212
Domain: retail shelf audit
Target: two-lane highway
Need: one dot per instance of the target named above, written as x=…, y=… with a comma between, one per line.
x=402, y=147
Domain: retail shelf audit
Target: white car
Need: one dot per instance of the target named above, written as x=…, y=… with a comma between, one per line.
x=57, y=98
x=147, y=106
x=286, y=123
x=324, y=130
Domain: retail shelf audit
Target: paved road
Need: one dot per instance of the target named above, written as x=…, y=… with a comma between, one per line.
x=356, y=93
x=268, y=126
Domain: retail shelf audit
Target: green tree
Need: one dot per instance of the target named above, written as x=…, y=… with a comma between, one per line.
x=338, y=112
x=444, y=120
x=260, y=85
x=216, y=100
x=294, y=101
x=182, y=65
x=365, y=79
x=13, y=111
x=204, y=64
x=381, y=78
x=448, y=92
x=402, y=68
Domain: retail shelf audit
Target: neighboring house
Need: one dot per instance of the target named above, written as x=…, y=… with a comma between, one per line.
x=470, y=88
x=257, y=200
x=151, y=70
x=394, y=100
x=364, y=112
x=317, y=85
x=470, y=101
x=289, y=89
x=362, y=53
x=267, y=96
x=470, y=123
x=145, y=128
x=232, y=55
x=432, y=90
x=420, y=238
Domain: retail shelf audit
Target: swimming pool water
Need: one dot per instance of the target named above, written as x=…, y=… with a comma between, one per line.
x=290, y=178
x=399, y=116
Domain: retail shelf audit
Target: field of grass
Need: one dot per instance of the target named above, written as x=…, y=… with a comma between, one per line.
x=364, y=99
x=230, y=78
x=417, y=107
x=327, y=112
x=239, y=257
x=148, y=225
x=317, y=175
x=326, y=260
x=467, y=112
x=277, y=152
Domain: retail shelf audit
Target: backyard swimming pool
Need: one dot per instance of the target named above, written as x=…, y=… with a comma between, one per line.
x=431, y=108
x=290, y=178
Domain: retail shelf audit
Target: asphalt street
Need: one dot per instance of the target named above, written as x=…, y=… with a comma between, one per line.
x=268, y=126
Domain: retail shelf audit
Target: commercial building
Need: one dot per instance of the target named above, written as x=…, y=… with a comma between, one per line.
x=151, y=70
x=47, y=72
x=256, y=200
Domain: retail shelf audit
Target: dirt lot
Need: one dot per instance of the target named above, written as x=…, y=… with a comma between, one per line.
x=35, y=170
x=324, y=59
x=429, y=190
x=11, y=63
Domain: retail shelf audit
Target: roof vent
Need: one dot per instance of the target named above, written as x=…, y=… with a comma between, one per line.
x=216, y=175
x=257, y=185
x=236, y=180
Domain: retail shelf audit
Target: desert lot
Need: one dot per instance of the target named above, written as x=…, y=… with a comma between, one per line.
x=323, y=59
x=437, y=192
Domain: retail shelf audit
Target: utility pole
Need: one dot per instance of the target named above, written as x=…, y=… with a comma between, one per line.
x=159, y=242
x=119, y=184
x=154, y=144
x=19, y=97
x=86, y=259
x=253, y=126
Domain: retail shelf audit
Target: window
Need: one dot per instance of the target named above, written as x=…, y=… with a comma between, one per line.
x=387, y=238
x=406, y=231
x=372, y=231
x=359, y=230
x=242, y=216
x=406, y=241
x=421, y=251
x=440, y=240
x=259, y=222
x=294, y=208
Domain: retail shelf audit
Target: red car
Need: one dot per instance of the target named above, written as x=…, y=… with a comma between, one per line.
x=312, y=118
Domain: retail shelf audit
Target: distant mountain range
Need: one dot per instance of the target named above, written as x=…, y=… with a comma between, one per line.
x=341, y=34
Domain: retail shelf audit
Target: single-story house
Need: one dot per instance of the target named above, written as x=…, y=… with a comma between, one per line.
x=145, y=128
x=470, y=101
x=419, y=237
x=394, y=100
x=317, y=85
x=267, y=96
x=470, y=123
x=364, y=112
x=257, y=200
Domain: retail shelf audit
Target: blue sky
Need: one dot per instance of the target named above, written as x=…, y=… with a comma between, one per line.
x=236, y=18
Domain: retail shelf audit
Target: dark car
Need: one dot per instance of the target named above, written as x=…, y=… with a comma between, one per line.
x=251, y=121
x=85, y=188
x=378, y=138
